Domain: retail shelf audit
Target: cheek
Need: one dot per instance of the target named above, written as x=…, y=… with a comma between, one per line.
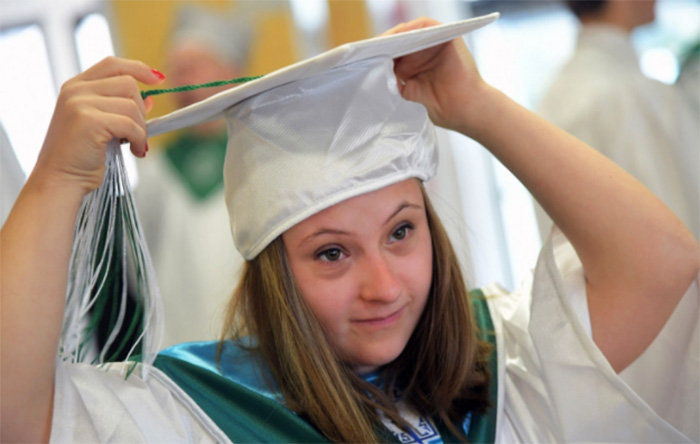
x=329, y=300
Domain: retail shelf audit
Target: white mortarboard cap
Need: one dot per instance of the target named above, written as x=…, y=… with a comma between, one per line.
x=307, y=145
x=318, y=132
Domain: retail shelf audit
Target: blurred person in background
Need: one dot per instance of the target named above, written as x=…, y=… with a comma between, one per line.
x=180, y=196
x=689, y=77
x=602, y=97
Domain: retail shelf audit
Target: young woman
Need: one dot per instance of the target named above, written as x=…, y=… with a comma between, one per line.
x=359, y=320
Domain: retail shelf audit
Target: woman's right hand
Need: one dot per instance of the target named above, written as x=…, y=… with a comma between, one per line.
x=101, y=104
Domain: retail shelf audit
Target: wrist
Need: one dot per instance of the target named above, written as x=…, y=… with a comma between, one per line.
x=57, y=186
x=482, y=112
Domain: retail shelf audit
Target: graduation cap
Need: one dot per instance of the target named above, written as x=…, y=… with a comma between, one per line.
x=318, y=132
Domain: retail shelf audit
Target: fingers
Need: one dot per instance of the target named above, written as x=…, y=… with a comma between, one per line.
x=121, y=86
x=419, y=23
x=417, y=63
x=97, y=121
x=93, y=108
x=111, y=87
x=413, y=65
x=121, y=106
x=395, y=30
x=123, y=128
x=112, y=67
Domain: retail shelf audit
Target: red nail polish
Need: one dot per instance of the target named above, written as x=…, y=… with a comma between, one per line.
x=146, y=146
x=158, y=74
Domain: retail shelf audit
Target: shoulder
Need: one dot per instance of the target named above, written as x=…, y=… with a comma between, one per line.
x=235, y=389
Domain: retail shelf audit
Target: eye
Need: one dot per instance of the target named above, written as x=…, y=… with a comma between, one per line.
x=330, y=255
x=401, y=232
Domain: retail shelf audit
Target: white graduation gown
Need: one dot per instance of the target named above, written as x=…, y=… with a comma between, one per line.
x=647, y=127
x=554, y=383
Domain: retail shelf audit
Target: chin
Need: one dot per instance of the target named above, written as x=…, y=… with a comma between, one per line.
x=370, y=362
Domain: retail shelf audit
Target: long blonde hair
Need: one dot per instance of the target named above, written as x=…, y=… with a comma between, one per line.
x=442, y=372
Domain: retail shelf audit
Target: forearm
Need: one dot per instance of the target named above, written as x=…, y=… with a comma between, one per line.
x=35, y=246
x=100, y=105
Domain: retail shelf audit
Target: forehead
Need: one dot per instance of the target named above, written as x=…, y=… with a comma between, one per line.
x=380, y=204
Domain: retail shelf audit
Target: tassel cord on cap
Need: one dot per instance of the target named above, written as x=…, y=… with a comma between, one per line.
x=155, y=92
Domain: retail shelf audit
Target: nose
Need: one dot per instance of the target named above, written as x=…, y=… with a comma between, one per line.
x=379, y=281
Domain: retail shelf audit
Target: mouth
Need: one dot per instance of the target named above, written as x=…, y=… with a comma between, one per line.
x=382, y=321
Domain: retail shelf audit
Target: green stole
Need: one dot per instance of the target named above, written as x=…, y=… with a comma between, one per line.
x=245, y=414
x=198, y=162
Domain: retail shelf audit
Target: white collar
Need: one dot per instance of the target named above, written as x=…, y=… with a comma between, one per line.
x=613, y=40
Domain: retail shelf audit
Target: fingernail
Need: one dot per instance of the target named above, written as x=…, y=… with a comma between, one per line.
x=158, y=74
x=146, y=146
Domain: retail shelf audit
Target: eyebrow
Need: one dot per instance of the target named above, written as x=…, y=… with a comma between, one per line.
x=402, y=207
x=323, y=231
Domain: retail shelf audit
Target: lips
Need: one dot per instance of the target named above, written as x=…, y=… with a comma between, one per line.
x=381, y=321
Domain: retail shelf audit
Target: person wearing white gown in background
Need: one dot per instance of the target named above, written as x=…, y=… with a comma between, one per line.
x=602, y=97
x=180, y=196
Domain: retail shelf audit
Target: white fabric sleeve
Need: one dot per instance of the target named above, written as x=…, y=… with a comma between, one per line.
x=99, y=405
x=573, y=279
x=555, y=385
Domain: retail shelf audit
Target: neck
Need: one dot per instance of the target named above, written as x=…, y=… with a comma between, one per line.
x=624, y=15
x=608, y=21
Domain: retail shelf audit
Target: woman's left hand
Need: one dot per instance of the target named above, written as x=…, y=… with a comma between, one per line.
x=443, y=78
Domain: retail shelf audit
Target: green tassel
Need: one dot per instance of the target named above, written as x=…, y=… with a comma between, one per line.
x=155, y=92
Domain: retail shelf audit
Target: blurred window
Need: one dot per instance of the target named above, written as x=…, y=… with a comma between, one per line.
x=60, y=40
x=92, y=40
x=27, y=91
x=662, y=44
x=310, y=15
